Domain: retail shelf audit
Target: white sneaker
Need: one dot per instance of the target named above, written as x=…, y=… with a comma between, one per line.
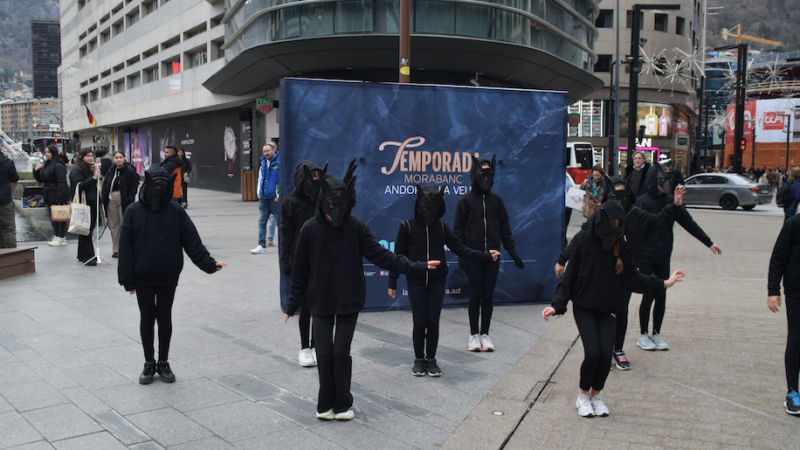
x=314, y=355
x=584, y=405
x=53, y=241
x=486, y=343
x=659, y=343
x=61, y=242
x=258, y=250
x=347, y=415
x=645, y=343
x=327, y=415
x=599, y=407
x=474, y=343
x=306, y=359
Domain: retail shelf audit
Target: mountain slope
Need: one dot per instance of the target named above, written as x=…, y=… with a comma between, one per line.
x=15, y=30
x=769, y=19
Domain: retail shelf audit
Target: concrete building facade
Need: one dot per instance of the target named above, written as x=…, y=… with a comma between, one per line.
x=23, y=120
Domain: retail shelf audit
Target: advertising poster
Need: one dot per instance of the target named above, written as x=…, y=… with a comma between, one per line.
x=769, y=117
x=403, y=135
x=656, y=118
x=126, y=143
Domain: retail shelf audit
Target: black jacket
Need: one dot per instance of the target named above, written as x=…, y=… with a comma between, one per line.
x=8, y=175
x=328, y=271
x=54, y=177
x=187, y=166
x=629, y=180
x=151, y=245
x=785, y=261
x=128, y=185
x=658, y=241
x=481, y=221
x=87, y=184
x=296, y=209
x=170, y=165
x=638, y=223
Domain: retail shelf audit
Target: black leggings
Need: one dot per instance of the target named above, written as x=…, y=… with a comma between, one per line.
x=482, y=278
x=306, y=336
x=185, y=192
x=622, y=322
x=155, y=304
x=660, y=297
x=334, y=364
x=792, y=357
x=597, y=334
x=86, y=243
x=426, y=307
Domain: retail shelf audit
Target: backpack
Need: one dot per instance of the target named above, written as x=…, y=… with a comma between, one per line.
x=784, y=196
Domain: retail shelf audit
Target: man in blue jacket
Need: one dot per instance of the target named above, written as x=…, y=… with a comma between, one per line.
x=267, y=191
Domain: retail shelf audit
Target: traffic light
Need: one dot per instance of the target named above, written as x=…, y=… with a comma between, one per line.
x=743, y=144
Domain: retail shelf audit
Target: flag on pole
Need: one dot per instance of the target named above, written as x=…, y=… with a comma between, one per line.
x=90, y=116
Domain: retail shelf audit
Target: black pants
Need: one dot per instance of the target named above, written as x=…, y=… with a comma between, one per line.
x=659, y=296
x=184, y=192
x=306, y=335
x=792, y=357
x=597, y=334
x=155, y=304
x=622, y=322
x=59, y=228
x=334, y=363
x=426, y=307
x=86, y=243
x=482, y=278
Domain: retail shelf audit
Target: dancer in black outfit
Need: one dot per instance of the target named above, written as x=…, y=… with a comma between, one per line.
x=84, y=178
x=421, y=238
x=327, y=273
x=600, y=269
x=481, y=223
x=155, y=233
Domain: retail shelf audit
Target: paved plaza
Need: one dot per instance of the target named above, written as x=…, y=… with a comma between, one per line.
x=70, y=358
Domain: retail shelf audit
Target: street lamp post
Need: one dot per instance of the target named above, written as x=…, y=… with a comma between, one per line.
x=405, y=41
x=787, y=119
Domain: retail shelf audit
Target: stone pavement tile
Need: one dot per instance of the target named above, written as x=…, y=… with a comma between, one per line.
x=26, y=397
x=97, y=340
x=194, y=394
x=297, y=438
x=149, y=445
x=168, y=426
x=118, y=356
x=120, y=427
x=207, y=365
x=129, y=398
x=689, y=444
x=84, y=400
x=354, y=435
x=96, y=441
x=257, y=364
x=15, y=430
x=96, y=377
x=48, y=311
x=17, y=373
x=46, y=342
x=212, y=443
x=238, y=421
x=40, y=445
x=251, y=387
x=300, y=411
x=5, y=406
x=19, y=325
x=69, y=358
x=414, y=432
x=61, y=422
x=368, y=412
x=32, y=359
x=296, y=381
x=8, y=357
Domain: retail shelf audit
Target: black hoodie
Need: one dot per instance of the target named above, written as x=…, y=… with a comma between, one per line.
x=420, y=243
x=327, y=269
x=296, y=209
x=174, y=164
x=151, y=244
x=785, y=261
x=658, y=241
x=590, y=279
x=128, y=184
x=481, y=219
x=8, y=175
x=54, y=177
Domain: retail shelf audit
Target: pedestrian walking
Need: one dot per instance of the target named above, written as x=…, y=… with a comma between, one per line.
x=8, y=225
x=53, y=175
x=424, y=237
x=327, y=272
x=481, y=223
x=267, y=191
x=156, y=231
x=794, y=191
x=174, y=166
x=83, y=177
x=119, y=191
x=600, y=269
x=186, y=169
x=637, y=173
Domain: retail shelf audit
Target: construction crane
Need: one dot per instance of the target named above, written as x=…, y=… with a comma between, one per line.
x=739, y=36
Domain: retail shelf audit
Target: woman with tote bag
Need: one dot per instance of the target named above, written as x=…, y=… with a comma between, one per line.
x=53, y=175
x=83, y=179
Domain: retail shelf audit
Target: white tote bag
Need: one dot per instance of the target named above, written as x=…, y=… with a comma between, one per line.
x=574, y=198
x=80, y=221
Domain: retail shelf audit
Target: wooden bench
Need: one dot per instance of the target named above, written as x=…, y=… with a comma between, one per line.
x=16, y=261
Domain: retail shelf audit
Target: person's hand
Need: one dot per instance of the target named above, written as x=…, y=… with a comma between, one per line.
x=392, y=293
x=286, y=318
x=518, y=262
x=220, y=265
x=679, y=191
x=38, y=166
x=134, y=291
x=559, y=270
x=715, y=249
x=495, y=254
x=549, y=311
x=774, y=302
x=276, y=200
x=96, y=173
x=433, y=264
x=675, y=278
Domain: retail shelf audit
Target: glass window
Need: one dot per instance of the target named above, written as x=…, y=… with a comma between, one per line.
x=629, y=19
x=716, y=180
x=680, y=24
x=662, y=22
x=354, y=17
x=434, y=17
x=603, y=64
x=605, y=19
x=388, y=12
x=473, y=20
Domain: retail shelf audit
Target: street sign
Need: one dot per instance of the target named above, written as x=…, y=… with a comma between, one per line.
x=264, y=105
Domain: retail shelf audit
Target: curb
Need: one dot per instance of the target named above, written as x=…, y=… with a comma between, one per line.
x=515, y=394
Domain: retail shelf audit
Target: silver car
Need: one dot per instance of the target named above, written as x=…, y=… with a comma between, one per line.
x=726, y=190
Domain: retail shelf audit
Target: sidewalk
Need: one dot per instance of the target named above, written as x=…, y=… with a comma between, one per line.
x=720, y=386
x=70, y=357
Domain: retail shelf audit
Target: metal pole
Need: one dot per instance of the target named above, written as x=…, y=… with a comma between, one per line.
x=405, y=41
x=753, y=165
x=612, y=170
x=703, y=33
x=741, y=73
x=633, y=84
x=618, y=71
x=788, y=133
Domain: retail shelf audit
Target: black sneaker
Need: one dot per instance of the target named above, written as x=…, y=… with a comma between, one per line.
x=792, y=403
x=115, y=255
x=162, y=367
x=419, y=369
x=147, y=374
x=433, y=368
x=621, y=361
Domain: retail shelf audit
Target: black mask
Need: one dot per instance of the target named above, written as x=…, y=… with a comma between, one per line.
x=158, y=191
x=610, y=224
x=667, y=182
x=310, y=185
x=336, y=199
x=623, y=197
x=483, y=178
x=430, y=204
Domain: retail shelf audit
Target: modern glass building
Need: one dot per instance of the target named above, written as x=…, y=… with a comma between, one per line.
x=46, y=54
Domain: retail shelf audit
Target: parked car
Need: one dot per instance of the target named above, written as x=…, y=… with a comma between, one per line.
x=726, y=190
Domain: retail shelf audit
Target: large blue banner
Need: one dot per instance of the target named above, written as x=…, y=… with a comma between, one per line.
x=404, y=135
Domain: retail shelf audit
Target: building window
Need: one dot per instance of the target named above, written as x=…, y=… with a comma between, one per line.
x=197, y=57
x=150, y=6
x=105, y=36
x=134, y=80
x=172, y=67
x=195, y=31
x=93, y=96
x=603, y=64
x=84, y=99
x=662, y=23
x=133, y=17
x=106, y=91
x=148, y=53
x=119, y=86
x=680, y=24
x=119, y=27
x=83, y=51
x=216, y=49
x=151, y=74
x=629, y=19
x=92, y=45
x=605, y=19
x=81, y=4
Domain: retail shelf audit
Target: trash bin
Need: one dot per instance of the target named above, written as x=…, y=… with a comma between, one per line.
x=249, y=185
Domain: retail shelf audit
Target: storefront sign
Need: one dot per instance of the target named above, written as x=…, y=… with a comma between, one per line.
x=264, y=105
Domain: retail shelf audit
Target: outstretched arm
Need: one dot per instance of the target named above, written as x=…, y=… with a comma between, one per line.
x=687, y=222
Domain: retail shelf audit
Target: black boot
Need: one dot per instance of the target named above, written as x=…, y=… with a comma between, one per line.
x=147, y=374
x=162, y=367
